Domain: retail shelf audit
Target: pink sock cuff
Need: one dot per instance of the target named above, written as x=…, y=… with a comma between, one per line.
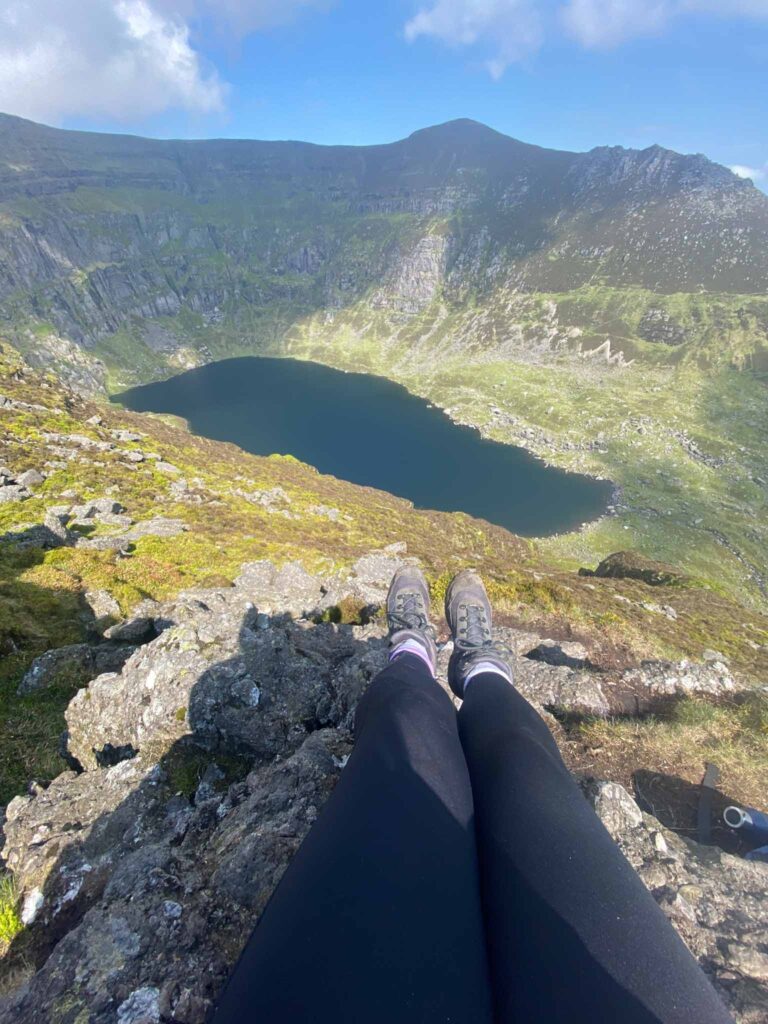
x=412, y=646
x=486, y=666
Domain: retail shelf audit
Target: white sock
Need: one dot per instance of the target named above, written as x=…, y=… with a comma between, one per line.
x=412, y=646
x=486, y=666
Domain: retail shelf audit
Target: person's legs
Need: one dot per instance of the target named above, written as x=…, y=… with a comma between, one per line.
x=378, y=918
x=572, y=933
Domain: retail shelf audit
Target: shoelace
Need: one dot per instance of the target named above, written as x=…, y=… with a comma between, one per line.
x=475, y=642
x=409, y=615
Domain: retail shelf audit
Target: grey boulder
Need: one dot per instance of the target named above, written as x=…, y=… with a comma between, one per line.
x=73, y=664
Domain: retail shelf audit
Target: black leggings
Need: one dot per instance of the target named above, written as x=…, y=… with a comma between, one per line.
x=458, y=875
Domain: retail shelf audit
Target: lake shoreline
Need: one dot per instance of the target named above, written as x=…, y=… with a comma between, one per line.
x=373, y=431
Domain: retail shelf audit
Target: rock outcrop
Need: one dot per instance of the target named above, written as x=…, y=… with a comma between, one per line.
x=715, y=901
x=629, y=565
x=78, y=660
x=17, y=488
x=71, y=526
x=207, y=758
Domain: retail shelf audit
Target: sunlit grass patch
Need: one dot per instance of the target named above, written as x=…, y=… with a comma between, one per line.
x=734, y=736
x=10, y=920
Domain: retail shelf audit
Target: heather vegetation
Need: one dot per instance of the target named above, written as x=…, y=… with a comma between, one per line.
x=236, y=508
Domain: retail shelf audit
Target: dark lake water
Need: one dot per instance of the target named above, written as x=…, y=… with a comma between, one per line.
x=370, y=431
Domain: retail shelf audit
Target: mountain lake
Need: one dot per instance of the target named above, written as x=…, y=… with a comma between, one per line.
x=373, y=432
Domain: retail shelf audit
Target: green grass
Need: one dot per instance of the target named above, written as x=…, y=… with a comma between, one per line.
x=734, y=736
x=10, y=921
x=185, y=766
x=41, y=592
x=30, y=730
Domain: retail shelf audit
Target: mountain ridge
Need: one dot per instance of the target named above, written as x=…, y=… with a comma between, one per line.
x=465, y=125
x=465, y=138
x=82, y=211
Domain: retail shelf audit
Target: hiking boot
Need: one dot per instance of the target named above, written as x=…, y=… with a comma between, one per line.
x=469, y=616
x=408, y=611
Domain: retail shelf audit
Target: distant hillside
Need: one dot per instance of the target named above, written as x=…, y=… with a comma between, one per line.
x=606, y=310
x=154, y=254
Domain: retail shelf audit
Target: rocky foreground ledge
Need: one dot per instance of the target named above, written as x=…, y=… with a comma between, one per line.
x=200, y=764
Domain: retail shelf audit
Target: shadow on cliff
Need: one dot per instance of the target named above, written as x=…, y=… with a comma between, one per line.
x=165, y=799
x=34, y=618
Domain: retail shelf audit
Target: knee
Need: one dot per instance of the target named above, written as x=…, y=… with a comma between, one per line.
x=398, y=694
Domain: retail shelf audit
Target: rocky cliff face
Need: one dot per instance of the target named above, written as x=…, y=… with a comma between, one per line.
x=204, y=761
x=151, y=254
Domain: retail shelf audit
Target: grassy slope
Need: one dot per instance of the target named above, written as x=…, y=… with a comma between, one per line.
x=676, y=744
x=700, y=506
x=490, y=344
x=41, y=593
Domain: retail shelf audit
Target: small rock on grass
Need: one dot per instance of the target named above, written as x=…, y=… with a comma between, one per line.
x=96, y=508
x=31, y=478
x=126, y=436
x=102, y=604
x=12, y=492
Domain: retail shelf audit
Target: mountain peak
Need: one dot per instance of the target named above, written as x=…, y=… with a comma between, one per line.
x=655, y=166
x=463, y=130
x=458, y=126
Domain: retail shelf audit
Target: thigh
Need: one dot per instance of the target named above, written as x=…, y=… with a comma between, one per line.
x=573, y=935
x=378, y=917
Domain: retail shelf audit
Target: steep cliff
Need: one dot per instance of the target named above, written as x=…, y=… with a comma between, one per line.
x=153, y=254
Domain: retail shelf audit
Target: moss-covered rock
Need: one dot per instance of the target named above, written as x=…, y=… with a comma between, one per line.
x=629, y=565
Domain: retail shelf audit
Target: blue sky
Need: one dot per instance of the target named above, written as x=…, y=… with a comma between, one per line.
x=572, y=74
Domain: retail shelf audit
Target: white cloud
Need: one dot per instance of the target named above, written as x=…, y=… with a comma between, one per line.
x=507, y=30
x=123, y=59
x=755, y=173
x=240, y=17
x=606, y=23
